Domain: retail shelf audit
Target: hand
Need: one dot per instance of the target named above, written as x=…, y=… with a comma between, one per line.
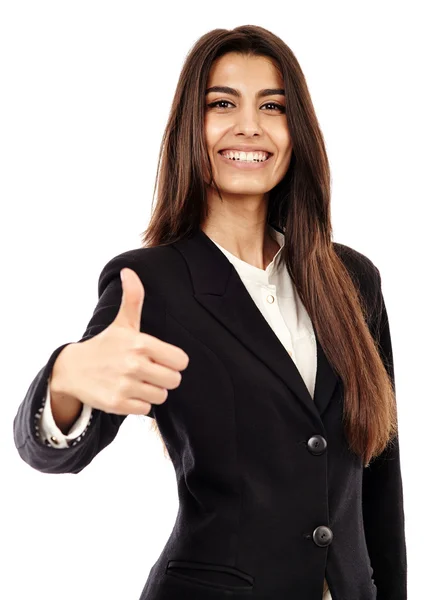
x=122, y=370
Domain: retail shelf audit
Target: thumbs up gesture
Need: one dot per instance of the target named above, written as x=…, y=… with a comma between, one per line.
x=122, y=370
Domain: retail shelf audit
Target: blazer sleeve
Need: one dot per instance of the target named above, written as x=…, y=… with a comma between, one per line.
x=103, y=426
x=383, y=509
x=49, y=430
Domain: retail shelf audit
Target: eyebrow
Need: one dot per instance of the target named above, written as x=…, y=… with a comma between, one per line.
x=260, y=94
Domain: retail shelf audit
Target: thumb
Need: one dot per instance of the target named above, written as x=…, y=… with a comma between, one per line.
x=129, y=314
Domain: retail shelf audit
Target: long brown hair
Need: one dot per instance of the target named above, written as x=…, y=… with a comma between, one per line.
x=300, y=206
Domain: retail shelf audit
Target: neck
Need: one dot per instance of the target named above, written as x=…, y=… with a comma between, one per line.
x=251, y=243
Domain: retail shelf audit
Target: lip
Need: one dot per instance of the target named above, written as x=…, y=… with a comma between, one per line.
x=245, y=148
x=237, y=164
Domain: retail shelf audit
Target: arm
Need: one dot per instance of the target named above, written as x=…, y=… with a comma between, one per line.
x=104, y=426
x=383, y=510
x=51, y=434
x=49, y=459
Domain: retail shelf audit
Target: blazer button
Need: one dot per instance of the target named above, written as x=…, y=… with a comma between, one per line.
x=322, y=536
x=317, y=444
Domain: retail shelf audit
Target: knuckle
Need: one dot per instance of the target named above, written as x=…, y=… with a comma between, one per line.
x=132, y=364
x=115, y=403
x=141, y=344
x=123, y=387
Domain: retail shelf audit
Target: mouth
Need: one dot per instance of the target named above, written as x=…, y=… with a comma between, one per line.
x=249, y=163
x=257, y=156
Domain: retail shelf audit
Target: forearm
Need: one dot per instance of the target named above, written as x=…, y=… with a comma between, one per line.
x=65, y=407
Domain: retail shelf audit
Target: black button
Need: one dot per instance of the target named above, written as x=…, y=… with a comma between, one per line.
x=317, y=444
x=322, y=536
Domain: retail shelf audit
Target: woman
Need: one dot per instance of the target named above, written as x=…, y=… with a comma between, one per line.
x=260, y=347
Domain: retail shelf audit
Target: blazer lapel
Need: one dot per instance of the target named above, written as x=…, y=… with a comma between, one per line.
x=219, y=289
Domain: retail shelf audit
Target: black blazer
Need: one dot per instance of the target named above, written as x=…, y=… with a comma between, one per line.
x=271, y=501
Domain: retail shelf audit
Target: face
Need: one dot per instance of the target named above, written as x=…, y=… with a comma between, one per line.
x=241, y=119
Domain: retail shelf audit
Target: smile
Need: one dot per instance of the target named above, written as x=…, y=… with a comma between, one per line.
x=236, y=163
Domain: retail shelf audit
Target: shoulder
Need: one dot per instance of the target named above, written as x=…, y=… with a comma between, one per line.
x=146, y=262
x=363, y=272
x=358, y=264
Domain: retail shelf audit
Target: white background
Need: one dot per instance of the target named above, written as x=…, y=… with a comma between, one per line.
x=85, y=92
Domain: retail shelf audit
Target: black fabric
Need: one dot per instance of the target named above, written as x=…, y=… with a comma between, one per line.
x=259, y=464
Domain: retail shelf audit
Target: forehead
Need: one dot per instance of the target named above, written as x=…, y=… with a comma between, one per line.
x=237, y=68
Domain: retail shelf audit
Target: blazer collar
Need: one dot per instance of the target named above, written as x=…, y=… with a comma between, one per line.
x=220, y=290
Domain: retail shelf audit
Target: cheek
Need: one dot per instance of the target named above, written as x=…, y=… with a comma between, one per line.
x=281, y=136
x=284, y=143
x=215, y=130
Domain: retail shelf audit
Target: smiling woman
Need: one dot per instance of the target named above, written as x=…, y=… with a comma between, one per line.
x=282, y=428
x=246, y=133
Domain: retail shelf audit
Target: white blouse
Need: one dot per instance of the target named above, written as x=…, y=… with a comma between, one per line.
x=276, y=297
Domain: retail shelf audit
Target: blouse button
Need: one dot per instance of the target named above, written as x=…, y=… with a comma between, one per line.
x=270, y=298
x=54, y=439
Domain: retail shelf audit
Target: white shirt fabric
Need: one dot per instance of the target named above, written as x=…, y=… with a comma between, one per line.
x=276, y=297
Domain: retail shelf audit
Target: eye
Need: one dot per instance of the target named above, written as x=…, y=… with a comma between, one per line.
x=278, y=106
x=218, y=102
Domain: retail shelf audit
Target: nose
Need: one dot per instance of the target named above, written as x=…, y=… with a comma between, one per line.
x=247, y=121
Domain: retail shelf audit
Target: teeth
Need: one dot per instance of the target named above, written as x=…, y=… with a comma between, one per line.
x=246, y=156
